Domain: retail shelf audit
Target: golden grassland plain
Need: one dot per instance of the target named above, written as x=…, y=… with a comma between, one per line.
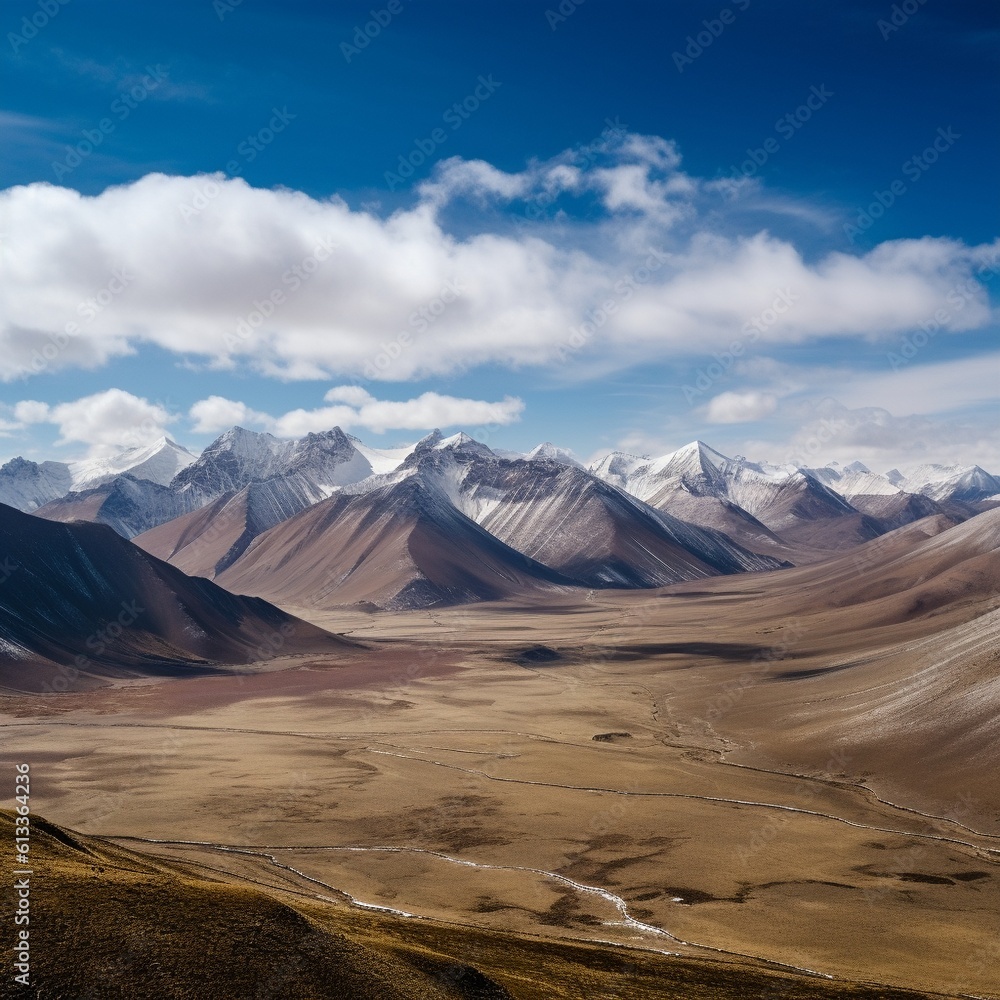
x=566, y=790
x=113, y=924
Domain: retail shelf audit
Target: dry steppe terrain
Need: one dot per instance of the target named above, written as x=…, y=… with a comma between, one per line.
x=788, y=773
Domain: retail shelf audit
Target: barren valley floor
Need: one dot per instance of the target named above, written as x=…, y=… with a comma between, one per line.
x=451, y=772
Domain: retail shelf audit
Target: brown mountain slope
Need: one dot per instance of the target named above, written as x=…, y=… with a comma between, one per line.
x=207, y=541
x=886, y=660
x=198, y=541
x=708, y=511
x=80, y=605
x=589, y=530
x=127, y=504
x=402, y=545
x=929, y=566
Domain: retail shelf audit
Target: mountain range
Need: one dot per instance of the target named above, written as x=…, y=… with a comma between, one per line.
x=29, y=485
x=325, y=520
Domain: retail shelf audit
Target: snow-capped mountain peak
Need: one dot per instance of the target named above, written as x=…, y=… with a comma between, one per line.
x=854, y=480
x=429, y=441
x=157, y=462
x=695, y=458
x=312, y=467
x=29, y=485
x=462, y=442
x=327, y=460
x=234, y=460
x=247, y=444
x=965, y=483
x=548, y=452
x=436, y=443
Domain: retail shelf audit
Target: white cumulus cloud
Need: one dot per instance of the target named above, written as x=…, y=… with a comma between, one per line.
x=105, y=421
x=216, y=413
x=293, y=286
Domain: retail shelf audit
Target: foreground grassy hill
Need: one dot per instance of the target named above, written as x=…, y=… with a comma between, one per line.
x=111, y=924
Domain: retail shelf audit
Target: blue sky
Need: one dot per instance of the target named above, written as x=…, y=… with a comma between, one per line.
x=610, y=225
